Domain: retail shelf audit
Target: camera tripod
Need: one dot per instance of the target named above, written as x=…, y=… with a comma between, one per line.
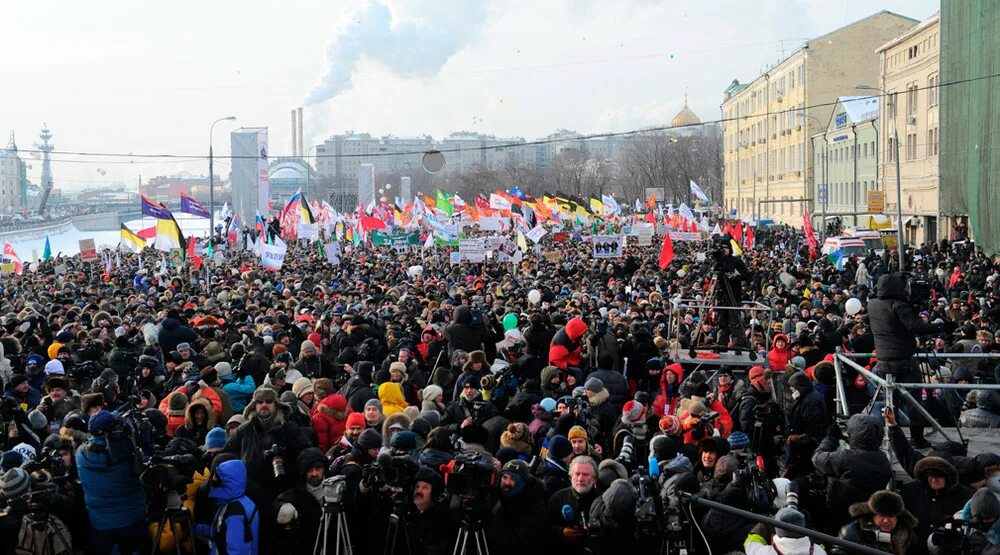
x=178, y=518
x=397, y=525
x=343, y=539
x=475, y=527
x=732, y=322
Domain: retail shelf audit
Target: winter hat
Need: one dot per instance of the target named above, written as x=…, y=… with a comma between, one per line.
x=757, y=374
x=799, y=363
x=799, y=381
x=14, y=482
x=215, y=439
x=577, y=432
x=420, y=427
x=57, y=382
x=10, y=459
x=670, y=425
x=397, y=367
x=223, y=369
x=475, y=433
x=663, y=448
x=432, y=417
x=237, y=419
x=91, y=400
x=264, y=394
x=176, y=404
x=302, y=387
x=369, y=439
x=633, y=412
x=37, y=420
x=288, y=398
x=183, y=347
x=700, y=390
x=985, y=505
x=209, y=375
x=887, y=503
x=789, y=515
x=374, y=403
x=517, y=437
x=277, y=349
x=323, y=387
x=548, y=404
x=307, y=346
x=431, y=393
x=429, y=477
x=355, y=419
x=594, y=384
x=520, y=472
x=54, y=366
x=560, y=447
x=738, y=440
x=405, y=440
x=100, y=422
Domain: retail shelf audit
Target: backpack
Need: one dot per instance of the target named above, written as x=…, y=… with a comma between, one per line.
x=219, y=529
x=51, y=537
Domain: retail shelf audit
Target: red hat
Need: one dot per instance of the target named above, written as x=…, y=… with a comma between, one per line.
x=315, y=338
x=633, y=412
x=355, y=419
x=757, y=373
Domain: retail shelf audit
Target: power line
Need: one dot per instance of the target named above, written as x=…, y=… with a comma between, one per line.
x=538, y=142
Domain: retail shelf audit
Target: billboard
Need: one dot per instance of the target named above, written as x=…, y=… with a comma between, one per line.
x=249, y=172
x=366, y=184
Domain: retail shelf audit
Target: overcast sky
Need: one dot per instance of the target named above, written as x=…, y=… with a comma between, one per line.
x=121, y=77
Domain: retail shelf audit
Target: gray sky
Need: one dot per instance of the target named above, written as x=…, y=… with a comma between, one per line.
x=120, y=77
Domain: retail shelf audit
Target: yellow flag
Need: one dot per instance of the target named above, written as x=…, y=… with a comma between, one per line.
x=736, y=248
x=521, y=242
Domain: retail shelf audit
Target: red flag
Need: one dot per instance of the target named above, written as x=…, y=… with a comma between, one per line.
x=369, y=223
x=666, y=252
x=738, y=232
x=148, y=233
x=650, y=217
x=749, y=240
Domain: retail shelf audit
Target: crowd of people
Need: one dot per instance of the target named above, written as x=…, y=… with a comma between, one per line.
x=550, y=405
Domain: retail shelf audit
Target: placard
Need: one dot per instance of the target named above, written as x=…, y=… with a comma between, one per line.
x=308, y=231
x=472, y=250
x=876, y=201
x=332, y=250
x=176, y=257
x=88, y=251
x=608, y=246
x=685, y=235
x=273, y=256
x=536, y=234
x=644, y=233
x=489, y=223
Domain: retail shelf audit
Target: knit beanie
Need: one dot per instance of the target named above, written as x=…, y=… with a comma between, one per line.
x=517, y=437
x=664, y=448
x=789, y=515
x=370, y=439
x=577, y=432
x=670, y=425
x=560, y=447
x=799, y=381
x=633, y=412
x=14, y=482
x=984, y=504
x=215, y=439
x=54, y=367
x=302, y=387
x=307, y=346
x=548, y=404
x=288, y=398
x=223, y=369
x=10, y=459
x=277, y=349
x=374, y=403
x=431, y=393
x=209, y=376
x=176, y=404
x=355, y=419
x=738, y=440
x=594, y=384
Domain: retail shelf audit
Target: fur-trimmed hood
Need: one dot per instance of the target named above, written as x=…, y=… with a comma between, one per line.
x=189, y=417
x=389, y=421
x=599, y=398
x=937, y=465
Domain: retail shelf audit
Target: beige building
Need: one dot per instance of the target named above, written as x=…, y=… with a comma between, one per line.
x=911, y=75
x=767, y=146
x=12, y=178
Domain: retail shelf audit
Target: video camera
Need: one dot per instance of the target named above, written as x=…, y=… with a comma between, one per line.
x=333, y=490
x=759, y=488
x=397, y=471
x=169, y=472
x=50, y=461
x=960, y=536
x=468, y=475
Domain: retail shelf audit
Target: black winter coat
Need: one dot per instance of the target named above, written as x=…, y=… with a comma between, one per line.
x=173, y=333
x=461, y=334
x=616, y=385
x=893, y=321
x=519, y=525
x=808, y=415
x=932, y=507
x=857, y=472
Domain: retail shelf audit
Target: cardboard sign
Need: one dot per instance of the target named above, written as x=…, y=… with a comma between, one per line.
x=536, y=234
x=472, y=250
x=88, y=250
x=273, y=256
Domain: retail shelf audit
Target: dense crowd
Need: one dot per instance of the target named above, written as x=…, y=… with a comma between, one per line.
x=549, y=405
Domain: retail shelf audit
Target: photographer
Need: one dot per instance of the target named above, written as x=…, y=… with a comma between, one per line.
x=518, y=521
x=433, y=529
x=761, y=418
x=112, y=491
x=881, y=522
x=299, y=509
x=895, y=324
x=857, y=472
x=468, y=408
x=235, y=526
x=359, y=499
x=980, y=532
x=731, y=272
x=567, y=510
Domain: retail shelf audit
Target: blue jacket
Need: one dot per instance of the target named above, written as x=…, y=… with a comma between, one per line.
x=239, y=390
x=173, y=333
x=226, y=524
x=112, y=492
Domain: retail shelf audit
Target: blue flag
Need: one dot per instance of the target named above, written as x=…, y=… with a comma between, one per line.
x=193, y=207
x=47, y=253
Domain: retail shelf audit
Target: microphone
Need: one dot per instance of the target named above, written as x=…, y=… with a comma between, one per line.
x=654, y=467
x=569, y=515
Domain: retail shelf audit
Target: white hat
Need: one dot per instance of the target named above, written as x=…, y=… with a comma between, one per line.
x=54, y=366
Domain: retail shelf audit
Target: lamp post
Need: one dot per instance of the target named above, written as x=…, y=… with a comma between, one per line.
x=899, y=188
x=211, y=194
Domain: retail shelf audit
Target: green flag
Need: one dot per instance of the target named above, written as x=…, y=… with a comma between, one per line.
x=443, y=203
x=47, y=253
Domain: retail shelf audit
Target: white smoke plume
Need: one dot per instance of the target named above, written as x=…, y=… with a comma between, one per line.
x=408, y=47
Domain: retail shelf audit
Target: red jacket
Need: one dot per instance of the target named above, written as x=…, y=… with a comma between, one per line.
x=724, y=423
x=777, y=359
x=664, y=404
x=566, y=346
x=329, y=429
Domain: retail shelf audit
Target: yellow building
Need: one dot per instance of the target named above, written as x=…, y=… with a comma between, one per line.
x=910, y=74
x=767, y=151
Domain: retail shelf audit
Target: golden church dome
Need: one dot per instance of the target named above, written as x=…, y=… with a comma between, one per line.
x=685, y=116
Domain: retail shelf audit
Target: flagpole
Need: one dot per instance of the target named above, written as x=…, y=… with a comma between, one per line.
x=211, y=196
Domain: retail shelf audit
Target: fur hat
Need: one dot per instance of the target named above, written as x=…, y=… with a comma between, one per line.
x=517, y=437
x=91, y=400
x=264, y=394
x=398, y=367
x=209, y=375
x=323, y=387
x=936, y=466
x=57, y=382
x=887, y=503
x=477, y=356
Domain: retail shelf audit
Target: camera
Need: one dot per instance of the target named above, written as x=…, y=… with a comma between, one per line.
x=960, y=536
x=333, y=490
x=169, y=472
x=469, y=475
x=48, y=460
x=760, y=490
x=396, y=471
x=276, y=454
x=874, y=534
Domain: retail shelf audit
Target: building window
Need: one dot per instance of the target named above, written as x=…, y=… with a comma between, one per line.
x=932, y=90
x=911, y=99
x=911, y=52
x=911, y=146
x=864, y=150
x=932, y=142
x=892, y=105
x=890, y=150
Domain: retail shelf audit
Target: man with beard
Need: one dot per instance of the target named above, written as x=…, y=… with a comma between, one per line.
x=462, y=411
x=302, y=503
x=518, y=525
x=311, y=364
x=433, y=530
x=568, y=508
x=268, y=425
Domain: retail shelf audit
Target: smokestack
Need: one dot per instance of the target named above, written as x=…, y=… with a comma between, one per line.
x=302, y=145
x=295, y=135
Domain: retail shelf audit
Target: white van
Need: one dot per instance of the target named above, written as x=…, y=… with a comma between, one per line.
x=852, y=246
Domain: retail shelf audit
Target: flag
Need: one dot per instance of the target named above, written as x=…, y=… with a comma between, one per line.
x=47, y=252
x=233, y=228
x=499, y=202
x=666, y=252
x=148, y=233
x=810, y=236
x=193, y=207
x=685, y=212
x=168, y=235
x=651, y=203
x=152, y=208
x=837, y=259
x=258, y=223
x=307, y=213
x=130, y=240
x=611, y=207
x=521, y=242
x=596, y=207
x=430, y=241
x=736, y=247
x=11, y=257
x=443, y=203
x=697, y=192
x=749, y=241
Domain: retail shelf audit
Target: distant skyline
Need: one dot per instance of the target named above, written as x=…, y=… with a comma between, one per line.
x=122, y=77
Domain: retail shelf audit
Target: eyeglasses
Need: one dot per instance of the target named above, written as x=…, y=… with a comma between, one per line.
x=266, y=402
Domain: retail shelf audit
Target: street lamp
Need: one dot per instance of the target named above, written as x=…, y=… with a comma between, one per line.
x=211, y=194
x=899, y=188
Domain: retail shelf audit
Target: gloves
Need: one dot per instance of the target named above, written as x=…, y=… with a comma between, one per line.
x=287, y=513
x=572, y=533
x=834, y=432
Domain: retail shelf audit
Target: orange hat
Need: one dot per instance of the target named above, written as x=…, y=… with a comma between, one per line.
x=278, y=349
x=757, y=373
